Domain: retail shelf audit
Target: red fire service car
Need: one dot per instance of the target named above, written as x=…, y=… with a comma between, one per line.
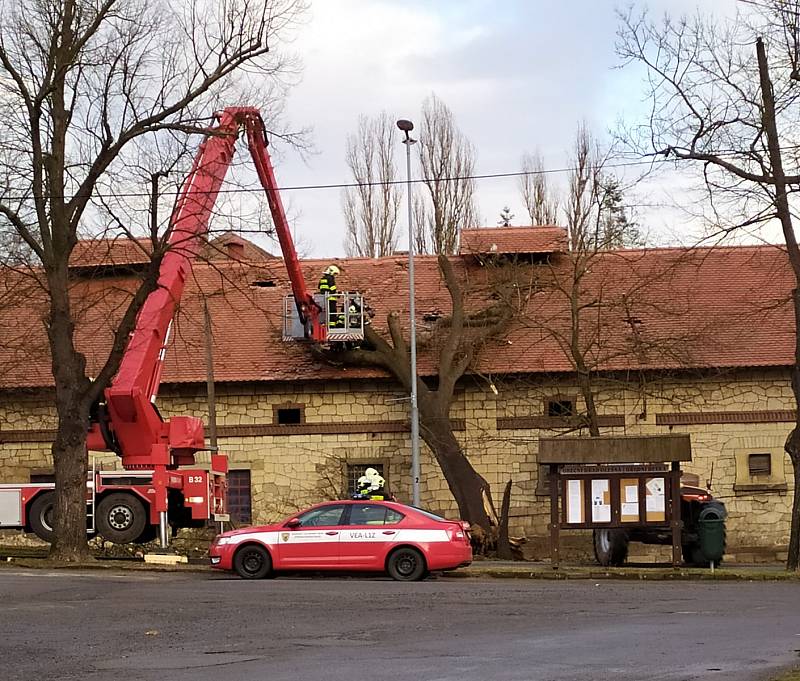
x=368, y=536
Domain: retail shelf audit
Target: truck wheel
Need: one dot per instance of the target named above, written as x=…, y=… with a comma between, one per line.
x=610, y=547
x=40, y=515
x=121, y=518
x=252, y=562
x=406, y=565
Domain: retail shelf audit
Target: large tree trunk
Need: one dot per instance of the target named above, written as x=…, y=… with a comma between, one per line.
x=469, y=488
x=69, y=447
x=784, y=213
x=793, y=448
x=69, y=459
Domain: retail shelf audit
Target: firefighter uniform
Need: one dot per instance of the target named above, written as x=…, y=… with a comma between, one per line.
x=371, y=485
x=327, y=286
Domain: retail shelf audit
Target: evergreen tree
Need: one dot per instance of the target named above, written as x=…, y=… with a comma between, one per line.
x=616, y=228
x=506, y=216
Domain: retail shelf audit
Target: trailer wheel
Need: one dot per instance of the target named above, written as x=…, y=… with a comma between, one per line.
x=610, y=547
x=40, y=515
x=252, y=562
x=121, y=518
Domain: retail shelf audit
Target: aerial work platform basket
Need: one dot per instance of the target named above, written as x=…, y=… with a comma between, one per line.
x=342, y=316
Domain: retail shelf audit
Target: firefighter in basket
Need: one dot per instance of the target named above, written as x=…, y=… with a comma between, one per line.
x=327, y=286
x=371, y=486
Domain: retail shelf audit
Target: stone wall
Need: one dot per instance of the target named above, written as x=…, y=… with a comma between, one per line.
x=729, y=416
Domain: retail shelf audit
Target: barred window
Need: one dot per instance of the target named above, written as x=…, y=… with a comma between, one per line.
x=239, y=497
x=356, y=470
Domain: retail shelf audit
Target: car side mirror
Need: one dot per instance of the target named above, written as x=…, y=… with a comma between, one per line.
x=294, y=522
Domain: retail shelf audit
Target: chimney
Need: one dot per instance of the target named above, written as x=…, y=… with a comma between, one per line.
x=234, y=249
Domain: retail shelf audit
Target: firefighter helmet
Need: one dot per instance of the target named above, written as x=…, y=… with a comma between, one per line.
x=332, y=269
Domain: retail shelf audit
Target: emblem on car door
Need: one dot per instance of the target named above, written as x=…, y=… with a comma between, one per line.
x=284, y=536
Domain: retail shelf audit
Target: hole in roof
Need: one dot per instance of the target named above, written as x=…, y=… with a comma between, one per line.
x=432, y=316
x=263, y=283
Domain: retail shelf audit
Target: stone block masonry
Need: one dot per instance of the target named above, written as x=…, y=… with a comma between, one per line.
x=728, y=415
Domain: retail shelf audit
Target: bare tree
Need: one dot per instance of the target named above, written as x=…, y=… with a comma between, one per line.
x=82, y=85
x=594, y=226
x=419, y=219
x=481, y=312
x=595, y=207
x=370, y=209
x=540, y=200
x=448, y=162
x=724, y=98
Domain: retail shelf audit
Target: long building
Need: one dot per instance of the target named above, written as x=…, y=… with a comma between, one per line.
x=671, y=340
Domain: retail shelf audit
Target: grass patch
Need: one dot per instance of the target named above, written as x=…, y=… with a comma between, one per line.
x=793, y=675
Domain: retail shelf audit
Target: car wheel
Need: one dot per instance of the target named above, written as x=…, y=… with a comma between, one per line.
x=406, y=565
x=40, y=515
x=610, y=547
x=121, y=518
x=252, y=562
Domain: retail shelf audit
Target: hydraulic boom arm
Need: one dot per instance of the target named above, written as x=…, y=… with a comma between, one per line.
x=129, y=422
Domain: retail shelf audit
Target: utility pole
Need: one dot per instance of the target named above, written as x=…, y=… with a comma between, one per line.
x=407, y=126
x=162, y=520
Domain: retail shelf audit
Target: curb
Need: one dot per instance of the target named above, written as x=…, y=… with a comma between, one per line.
x=102, y=565
x=474, y=572
x=651, y=575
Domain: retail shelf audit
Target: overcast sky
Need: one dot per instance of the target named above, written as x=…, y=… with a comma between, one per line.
x=518, y=75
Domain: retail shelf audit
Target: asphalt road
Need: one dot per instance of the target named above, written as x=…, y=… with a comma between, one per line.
x=135, y=626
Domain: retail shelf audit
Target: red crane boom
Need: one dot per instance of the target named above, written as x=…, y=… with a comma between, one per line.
x=128, y=423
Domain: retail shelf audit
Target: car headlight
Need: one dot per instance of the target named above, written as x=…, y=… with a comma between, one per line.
x=222, y=541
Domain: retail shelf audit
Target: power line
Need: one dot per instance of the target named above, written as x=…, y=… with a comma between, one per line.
x=455, y=178
x=349, y=185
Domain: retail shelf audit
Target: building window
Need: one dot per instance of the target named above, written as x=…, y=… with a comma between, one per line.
x=239, y=497
x=43, y=477
x=288, y=414
x=561, y=408
x=356, y=470
x=759, y=464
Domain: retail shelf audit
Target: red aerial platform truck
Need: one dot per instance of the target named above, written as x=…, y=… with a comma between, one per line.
x=158, y=486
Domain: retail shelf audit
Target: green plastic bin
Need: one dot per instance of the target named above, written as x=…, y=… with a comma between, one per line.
x=711, y=533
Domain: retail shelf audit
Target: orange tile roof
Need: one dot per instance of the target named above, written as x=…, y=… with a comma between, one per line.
x=543, y=239
x=111, y=252
x=121, y=251
x=644, y=309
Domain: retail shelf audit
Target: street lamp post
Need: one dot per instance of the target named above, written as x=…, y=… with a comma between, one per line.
x=407, y=127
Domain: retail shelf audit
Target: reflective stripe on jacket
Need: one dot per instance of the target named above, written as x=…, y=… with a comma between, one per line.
x=327, y=283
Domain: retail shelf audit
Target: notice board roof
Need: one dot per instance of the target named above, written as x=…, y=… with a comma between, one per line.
x=615, y=449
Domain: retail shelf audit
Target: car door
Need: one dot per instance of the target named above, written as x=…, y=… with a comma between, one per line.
x=366, y=539
x=314, y=543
